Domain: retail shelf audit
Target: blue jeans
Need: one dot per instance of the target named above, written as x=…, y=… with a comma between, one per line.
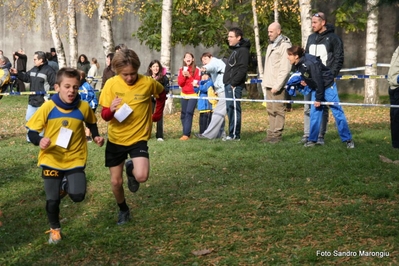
x=187, y=113
x=29, y=113
x=233, y=109
x=330, y=95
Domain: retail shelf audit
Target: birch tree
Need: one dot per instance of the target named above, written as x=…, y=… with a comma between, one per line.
x=370, y=85
x=104, y=16
x=73, y=34
x=166, y=33
x=257, y=41
x=306, y=20
x=59, y=47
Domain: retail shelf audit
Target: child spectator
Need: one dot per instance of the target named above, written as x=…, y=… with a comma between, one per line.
x=205, y=89
x=63, y=148
x=87, y=94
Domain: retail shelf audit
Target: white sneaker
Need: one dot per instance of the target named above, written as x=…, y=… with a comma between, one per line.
x=159, y=139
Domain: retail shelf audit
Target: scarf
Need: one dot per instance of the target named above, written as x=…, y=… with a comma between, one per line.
x=67, y=106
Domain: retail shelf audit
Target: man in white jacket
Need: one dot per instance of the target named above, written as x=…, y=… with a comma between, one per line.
x=276, y=72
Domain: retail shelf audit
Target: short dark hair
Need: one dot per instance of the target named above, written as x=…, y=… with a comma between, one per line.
x=41, y=55
x=67, y=72
x=237, y=32
x=296, y=50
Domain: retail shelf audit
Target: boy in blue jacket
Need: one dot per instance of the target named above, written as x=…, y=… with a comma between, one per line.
x=204, y=106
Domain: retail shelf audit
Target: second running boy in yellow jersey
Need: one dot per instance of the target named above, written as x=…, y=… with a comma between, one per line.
x=127, y=106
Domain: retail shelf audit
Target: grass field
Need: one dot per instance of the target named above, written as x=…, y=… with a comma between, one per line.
x=214, y=202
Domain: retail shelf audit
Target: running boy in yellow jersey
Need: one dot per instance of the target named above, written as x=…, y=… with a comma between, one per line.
x=127, y=106
x=63, y=148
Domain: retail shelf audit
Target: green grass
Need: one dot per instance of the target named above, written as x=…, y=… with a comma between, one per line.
x=247, y=203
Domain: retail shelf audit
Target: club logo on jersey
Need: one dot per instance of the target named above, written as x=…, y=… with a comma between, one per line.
x=64, y=123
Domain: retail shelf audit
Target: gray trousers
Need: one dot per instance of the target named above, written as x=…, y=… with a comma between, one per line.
x=216, y=126
x=306, y=118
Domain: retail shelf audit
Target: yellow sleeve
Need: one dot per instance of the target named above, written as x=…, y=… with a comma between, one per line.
x=211, y=93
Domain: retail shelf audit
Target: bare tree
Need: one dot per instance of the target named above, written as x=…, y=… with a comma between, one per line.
x=59, y=47
x=306, y=20
x=166, y=31
x=73, y=34
x=105, y=26
x=370, y=85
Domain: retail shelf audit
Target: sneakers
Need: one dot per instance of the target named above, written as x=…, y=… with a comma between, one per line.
x=159, y=139
x=184, y=137
x=123, y=217
x=350, y=144
x=228, y=138
x=304, y=139
x=320, y=141
x=89, y=139
x=132, y=183
x=310, y=143
x=199, y=136
x=55, y=235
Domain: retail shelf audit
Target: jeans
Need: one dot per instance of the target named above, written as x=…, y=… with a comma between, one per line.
x=233, y=109
x=187, y=113
x=330, y=95
x=306, y=118
x=394, y=115
x=29, y=113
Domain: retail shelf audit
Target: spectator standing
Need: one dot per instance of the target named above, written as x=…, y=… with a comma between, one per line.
x=63, y=149
x=126, y=102
x=107, y=72
x=93, y=72
x=276, y=72
x=54, y=56
x=41, y=78
x=20, y=61
x=215, y=67
x=156, y=71
x=87, y=94
x=6, y=60
x=205, y=89
x=4, y=75
x=323, y=88
x=83, y=63
x=324, y=43
x=188, y=77
x=393, y=80
x=53, y=64
x=234, y=79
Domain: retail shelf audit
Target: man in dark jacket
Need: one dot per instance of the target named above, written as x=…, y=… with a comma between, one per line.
x=234, y=80
x=41, y=78
x=20, y=60
x=324, y=43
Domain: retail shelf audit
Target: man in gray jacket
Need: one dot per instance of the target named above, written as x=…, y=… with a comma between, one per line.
x=276, y=72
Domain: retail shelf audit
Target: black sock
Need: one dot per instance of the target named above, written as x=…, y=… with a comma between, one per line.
x=123, y=206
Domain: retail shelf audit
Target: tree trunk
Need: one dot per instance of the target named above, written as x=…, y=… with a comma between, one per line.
x=105, y=26
x=276, y=14
x=73, y=34
x=166, y=32
x=370, y=85
x=257, y=41
x=59, y=47
x=306, y=20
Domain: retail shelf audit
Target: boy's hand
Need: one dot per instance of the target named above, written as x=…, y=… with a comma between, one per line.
x=115, y=103
x=44, y=143
x=99, y=141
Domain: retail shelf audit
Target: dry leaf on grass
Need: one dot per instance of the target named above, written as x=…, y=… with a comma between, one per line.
x=201, y=252
x=387, y=160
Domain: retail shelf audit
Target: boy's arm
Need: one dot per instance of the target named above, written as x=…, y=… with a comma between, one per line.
x=34, y=137
x=107, y=114
x=93, y=129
